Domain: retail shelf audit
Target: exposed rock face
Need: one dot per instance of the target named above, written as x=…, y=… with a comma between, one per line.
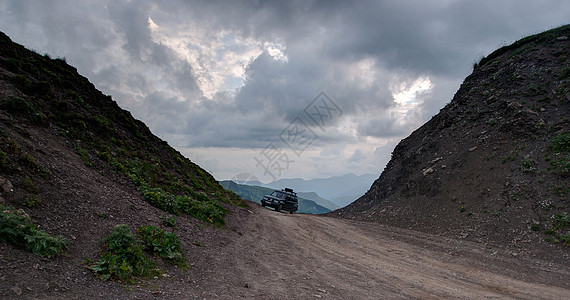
x=493, y=164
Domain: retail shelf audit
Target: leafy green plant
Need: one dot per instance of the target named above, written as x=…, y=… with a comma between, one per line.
x=559, y=147
x=29, y=185
x=17, y=228
x=161, y=243
x=203, y=208
x=32, y=202
x=565, y=239
x=28, y=160
x=122, y=258
x=560, y=221
x=527, y=165
x=3, y=157
x=168, y=221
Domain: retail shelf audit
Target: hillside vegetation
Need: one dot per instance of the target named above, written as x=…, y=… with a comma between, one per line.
x=493, y=165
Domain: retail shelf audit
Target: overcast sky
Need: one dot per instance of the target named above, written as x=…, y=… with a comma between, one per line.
x=278, y=89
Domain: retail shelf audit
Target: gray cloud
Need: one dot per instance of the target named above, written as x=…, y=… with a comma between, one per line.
x=355, y=52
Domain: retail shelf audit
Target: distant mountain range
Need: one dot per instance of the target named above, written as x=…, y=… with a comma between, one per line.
x=340, y=190
x=255, y=193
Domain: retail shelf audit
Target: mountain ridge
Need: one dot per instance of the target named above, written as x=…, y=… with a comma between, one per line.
x=337, y=189
x=255, y=193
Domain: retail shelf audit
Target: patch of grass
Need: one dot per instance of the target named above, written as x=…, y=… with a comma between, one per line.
x=84, y=154
x=535, y=227
x=17, y=228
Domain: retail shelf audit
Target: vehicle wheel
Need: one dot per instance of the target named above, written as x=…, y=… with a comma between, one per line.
x=291, y=212
x=263, y=204
x=279, y=207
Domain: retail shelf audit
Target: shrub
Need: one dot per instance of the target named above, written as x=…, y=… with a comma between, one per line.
x=16, y=228
x=168, y=221
x=560, y=221
x=12, y=64
x=527, y=165
x=560, y=143
x=161, y=243
x=19, y=105
x=203, y=209
x=122, y=258
x=32, y=202
x=565, y=239
x=209, y=211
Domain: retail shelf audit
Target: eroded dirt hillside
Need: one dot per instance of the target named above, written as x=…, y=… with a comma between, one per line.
x=493, y=165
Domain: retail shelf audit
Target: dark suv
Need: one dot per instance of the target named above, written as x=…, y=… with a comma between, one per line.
x=282, y=200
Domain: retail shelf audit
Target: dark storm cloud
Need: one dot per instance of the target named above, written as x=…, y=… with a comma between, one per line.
x=353, y=51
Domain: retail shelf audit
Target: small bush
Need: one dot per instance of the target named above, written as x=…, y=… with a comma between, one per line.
x=28, y=160
x=122, y=258
x=16, y=228
x=560, y=143
x=560, y=221
x=29, y=185
x=19, y=105
x=12, y=64
x=168, y=221
x=565, y=239
x=527, y=165
x=32, y=202
x=161, y=243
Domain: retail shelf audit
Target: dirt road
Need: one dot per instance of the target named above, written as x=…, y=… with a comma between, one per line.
x=283, y=256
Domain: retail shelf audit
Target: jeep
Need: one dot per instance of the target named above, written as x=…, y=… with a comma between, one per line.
x=284, y=199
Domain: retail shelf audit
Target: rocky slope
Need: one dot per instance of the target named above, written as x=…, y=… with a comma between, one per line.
x=492, y=165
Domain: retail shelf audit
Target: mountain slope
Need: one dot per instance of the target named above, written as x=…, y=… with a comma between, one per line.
x=78, y=165
x=255, y=193
x=337, y=188
x=318, y=199
x=493, y=164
